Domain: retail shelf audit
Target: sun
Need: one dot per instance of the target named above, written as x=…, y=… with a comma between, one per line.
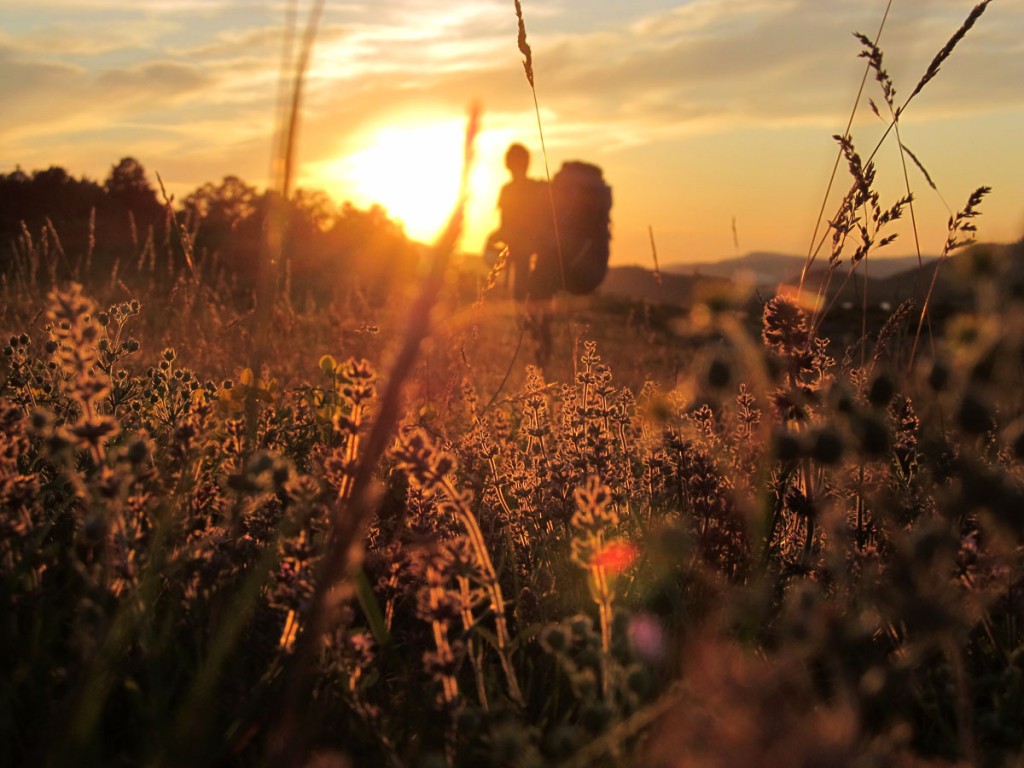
x=413, y=170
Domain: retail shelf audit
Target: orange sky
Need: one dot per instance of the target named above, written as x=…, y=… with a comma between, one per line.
x=701, y=113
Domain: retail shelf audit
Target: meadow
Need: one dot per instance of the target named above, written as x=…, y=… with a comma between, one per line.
x=252, y=525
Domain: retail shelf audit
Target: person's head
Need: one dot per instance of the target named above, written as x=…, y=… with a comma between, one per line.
x=517, y=160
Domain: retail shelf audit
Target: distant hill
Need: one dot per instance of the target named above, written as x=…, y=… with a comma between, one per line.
x=955, y=286
x=767, y=269
x=960, y=276
x=890, y=281
x=643, y=285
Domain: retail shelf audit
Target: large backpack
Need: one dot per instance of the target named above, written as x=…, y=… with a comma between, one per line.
x=583, y=205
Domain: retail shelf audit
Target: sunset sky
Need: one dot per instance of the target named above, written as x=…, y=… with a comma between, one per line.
x=702, y=113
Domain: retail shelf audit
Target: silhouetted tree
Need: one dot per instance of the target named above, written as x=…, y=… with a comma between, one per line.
x=227, y=219
x=326, y=247
x=315, y=207
x=47, y=197
x=128, y=187
x=373, y=250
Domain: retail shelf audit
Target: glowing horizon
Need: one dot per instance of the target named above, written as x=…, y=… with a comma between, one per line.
x=700, y=112
x=412, y=168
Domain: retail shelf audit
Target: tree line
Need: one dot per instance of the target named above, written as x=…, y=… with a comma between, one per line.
x=124, y=227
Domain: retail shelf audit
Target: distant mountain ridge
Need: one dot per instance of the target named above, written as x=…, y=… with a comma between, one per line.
x=890, y=280
x=643, y=285
x=765, y=268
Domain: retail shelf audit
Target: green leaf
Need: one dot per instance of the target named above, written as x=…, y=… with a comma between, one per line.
x=487, y=635
x=371, y=609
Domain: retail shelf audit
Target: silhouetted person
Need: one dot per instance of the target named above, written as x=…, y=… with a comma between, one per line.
x=526, y=228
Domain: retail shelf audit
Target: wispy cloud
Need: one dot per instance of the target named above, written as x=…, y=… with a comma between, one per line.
x=697, y=67
x=201, y=78
x=157, y=80
x=694, y=66
x=90, y=39
x=170, y=7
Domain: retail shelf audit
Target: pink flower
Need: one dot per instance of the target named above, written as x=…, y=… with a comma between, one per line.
x=647, y=637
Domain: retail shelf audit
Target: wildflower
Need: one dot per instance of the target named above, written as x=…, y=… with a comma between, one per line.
x=647, y=637
x=616, y=556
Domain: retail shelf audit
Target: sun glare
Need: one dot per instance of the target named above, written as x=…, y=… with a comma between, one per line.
x=413, y=171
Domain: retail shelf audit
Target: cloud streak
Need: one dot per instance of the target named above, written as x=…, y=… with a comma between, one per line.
x=693, y=69
x=700, y=64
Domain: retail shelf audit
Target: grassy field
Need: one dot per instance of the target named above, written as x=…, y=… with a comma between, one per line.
x=251, y=529
x=742, y=550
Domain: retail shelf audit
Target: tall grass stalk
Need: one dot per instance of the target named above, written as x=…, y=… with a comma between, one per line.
x=930, y=72
x=524, y=48
x=812, y=249
x=348, y=521
x=874, y=56
x=614, y=740
x=959, y=224
x=283, y=165
x=491, y=584
x=654, y=253
x=179, y=227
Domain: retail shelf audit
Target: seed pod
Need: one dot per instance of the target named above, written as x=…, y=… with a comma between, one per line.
x=938, y=379
x=873, y=436
x=799, y=504
x=973, y=416
x=596, y=716
x=845, y=403
x=827, y=447
x=638, y=680
x=785, y=446
x=1018, y=445
x=137, y=451
x=554, y=639
x=881, y=391
x=719, y=373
